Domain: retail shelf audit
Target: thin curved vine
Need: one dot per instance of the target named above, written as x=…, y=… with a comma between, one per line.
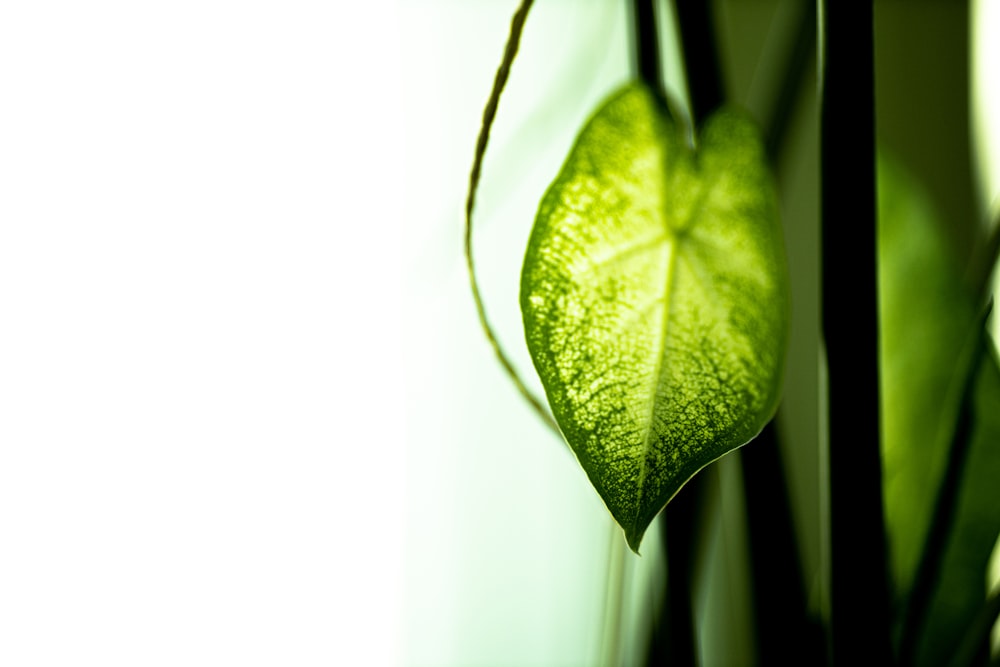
x=489, y=113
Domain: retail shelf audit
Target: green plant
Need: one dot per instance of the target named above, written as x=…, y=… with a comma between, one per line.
x=655, y=303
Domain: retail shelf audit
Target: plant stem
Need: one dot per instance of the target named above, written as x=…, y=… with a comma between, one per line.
x=859, y=588
x=785, y=634
x=680, y=535
x=489, y=113
x=674, y=639
x=701, y=60
x=646, y=45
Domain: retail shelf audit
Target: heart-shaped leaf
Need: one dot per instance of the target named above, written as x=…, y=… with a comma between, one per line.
x=655, y=300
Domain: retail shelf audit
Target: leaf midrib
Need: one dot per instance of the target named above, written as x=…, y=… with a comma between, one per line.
x=674, y=237
x=647, y=443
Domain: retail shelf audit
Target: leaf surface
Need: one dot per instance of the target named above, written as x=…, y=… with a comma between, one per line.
x=928, y=320
x=961, y=589
x=655, y=300
x=926, y=317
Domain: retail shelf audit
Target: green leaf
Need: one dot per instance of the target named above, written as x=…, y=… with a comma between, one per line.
x=961, y=590
x=926, y=317
x=928, y=327
x=655, y=300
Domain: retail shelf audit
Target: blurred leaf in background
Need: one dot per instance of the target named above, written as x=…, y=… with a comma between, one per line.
x=930, y=344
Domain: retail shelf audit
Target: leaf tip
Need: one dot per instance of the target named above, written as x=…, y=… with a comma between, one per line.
x=634, y=537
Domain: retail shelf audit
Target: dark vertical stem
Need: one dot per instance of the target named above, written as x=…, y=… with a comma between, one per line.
x=647, y=45
x=784, y=630
x=680, y=533
x=701, y=60
x=859, y=586
x=674, y=640
x=785, y=633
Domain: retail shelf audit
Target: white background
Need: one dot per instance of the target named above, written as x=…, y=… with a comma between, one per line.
x=201, y=433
